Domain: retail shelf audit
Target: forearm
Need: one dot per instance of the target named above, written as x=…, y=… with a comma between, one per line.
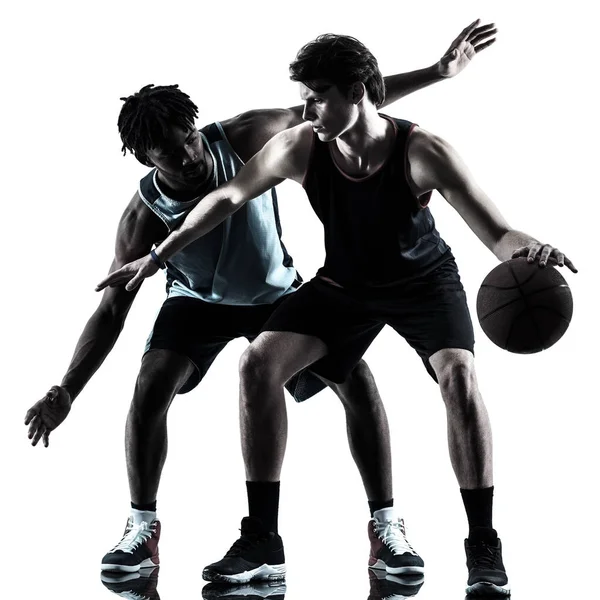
x=509, y=242
x=210, y=212
x=97, y=340
x=403, y=84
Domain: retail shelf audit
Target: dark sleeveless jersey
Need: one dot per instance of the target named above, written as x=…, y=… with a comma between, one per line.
x=377, y=232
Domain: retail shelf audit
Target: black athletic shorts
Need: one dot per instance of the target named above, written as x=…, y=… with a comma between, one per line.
x=199, y=330
x=430, y=313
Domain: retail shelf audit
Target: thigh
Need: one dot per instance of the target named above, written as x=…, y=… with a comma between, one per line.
x=434, y=315
x=334, y=316
x=198, y=331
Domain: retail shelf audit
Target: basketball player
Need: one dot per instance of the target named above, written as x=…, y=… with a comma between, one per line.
x=369, y=178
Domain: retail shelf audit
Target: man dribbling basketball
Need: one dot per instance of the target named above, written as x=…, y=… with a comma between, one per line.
x=369, y=178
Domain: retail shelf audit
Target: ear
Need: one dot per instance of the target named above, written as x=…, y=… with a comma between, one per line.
x=357, y=92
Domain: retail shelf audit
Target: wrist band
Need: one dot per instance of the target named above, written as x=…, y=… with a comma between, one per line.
x=156, y=260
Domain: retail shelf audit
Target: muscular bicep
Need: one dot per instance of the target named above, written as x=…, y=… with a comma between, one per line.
x=138, y=230
x=435, y=165
x=250, y=131
x=281, y=158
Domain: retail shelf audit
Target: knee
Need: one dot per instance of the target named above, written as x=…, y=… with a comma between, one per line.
x=359, y=392
x=152, y=397
x=457, y=380
x=258, y=369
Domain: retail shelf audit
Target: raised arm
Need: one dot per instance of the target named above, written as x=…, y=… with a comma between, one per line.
x=251, y=130
x=435, y=165
x=472, y=39
x=137, y=230
x=281, y=158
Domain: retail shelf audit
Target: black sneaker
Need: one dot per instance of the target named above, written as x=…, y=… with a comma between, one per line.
x=137, y=549
x=140, y=585
x=271, y=590
x=393, y=587
x=256, y=555
x=487, y=575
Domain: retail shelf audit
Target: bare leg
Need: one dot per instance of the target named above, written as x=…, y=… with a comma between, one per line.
x=161, y=376
x=368, y=431
x=469, y=430
x=265, y=366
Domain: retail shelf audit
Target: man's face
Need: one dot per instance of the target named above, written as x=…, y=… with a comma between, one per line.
x=330, y=113
x=182, y=160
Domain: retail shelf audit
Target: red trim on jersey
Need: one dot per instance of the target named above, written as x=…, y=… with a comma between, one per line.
x=388, y=158
x=424, y=199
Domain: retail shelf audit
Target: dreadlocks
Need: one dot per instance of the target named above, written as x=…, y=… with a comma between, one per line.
x=146, y=117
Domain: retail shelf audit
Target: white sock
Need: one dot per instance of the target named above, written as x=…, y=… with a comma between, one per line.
x=385, y=514
x=137, y=516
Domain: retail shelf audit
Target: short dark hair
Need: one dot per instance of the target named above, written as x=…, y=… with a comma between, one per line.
x=147, y=115
x=341, y=60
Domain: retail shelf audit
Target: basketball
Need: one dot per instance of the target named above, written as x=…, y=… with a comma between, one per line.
x=524, y=308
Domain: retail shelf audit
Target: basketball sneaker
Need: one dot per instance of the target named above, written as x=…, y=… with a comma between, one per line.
x=393, y=587
x=137, y=549
x=390, y=549
x=487, y=575
x=259, y=590
x=256, y=555
x=140, y=585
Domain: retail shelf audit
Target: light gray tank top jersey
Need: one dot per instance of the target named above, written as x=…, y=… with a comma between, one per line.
x=242, y=261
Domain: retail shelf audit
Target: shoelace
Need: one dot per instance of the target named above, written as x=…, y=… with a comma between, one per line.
x=134, y=536
x=243, y=543
x=393, y=535
x=483, y=556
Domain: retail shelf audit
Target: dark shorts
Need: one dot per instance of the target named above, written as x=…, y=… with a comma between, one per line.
x=430, y=313
x=200, y=330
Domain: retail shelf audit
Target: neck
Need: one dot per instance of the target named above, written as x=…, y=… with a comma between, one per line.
x=367, y=133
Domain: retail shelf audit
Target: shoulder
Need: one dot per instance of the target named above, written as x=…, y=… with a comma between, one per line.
x=424, y=145
x=139, y=228
x=251, y=130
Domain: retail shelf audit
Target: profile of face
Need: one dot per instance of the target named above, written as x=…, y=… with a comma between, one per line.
x=182, y=160
x=331, y=112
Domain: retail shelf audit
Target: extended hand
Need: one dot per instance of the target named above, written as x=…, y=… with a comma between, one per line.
x=47, y=414
x=132, y=274
x=544, y=253
x=472, y=39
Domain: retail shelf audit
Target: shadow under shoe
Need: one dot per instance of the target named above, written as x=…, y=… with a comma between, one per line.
x=487, y=575
x=259, y=590
x=137, y=549
x=257, y=555
x=393, y=587
x=140, y=585
x=390, y=550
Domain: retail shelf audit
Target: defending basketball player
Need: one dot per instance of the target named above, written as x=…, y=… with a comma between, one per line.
x=369, y=178
x=223, y=287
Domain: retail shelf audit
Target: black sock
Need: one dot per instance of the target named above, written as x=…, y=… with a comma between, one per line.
x=478, y=504
x=150, y=506
x=263, y=502
x=379, y=504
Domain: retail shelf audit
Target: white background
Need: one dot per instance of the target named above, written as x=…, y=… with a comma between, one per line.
x=521, y=116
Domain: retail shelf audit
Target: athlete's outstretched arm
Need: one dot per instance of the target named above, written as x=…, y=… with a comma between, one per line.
x=435, y=165
x=274, y=163
x=472, y=39
x=251, y=130
x=134, y=239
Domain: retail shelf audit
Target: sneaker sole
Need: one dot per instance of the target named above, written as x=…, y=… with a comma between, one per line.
x=128, y=568
x=263, y=573
x=484, y=588
x=411, y=570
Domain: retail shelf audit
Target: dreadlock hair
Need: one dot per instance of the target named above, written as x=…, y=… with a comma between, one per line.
x=340, y=60
x=147, y=116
